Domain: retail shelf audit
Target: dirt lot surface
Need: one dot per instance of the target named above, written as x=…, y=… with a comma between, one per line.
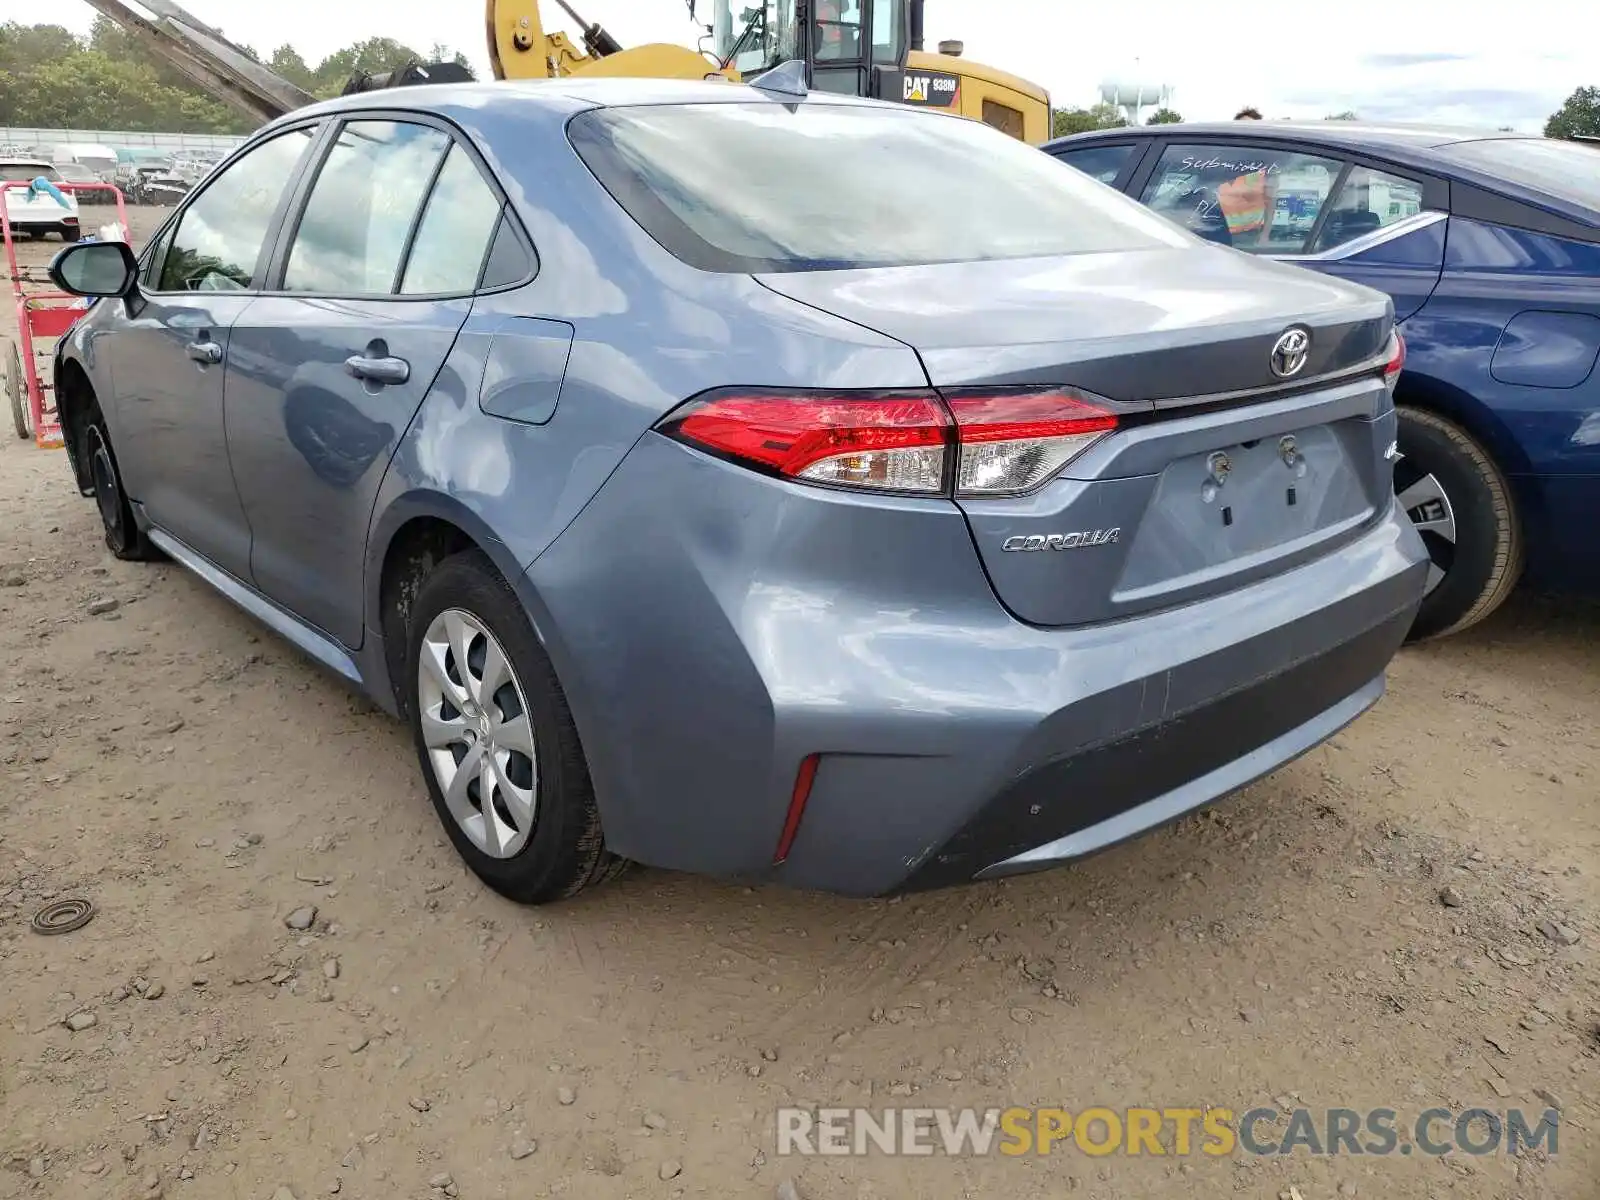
x=1385, y=923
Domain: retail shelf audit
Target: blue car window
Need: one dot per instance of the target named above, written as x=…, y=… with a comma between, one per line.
x=1368, y=201
x=362, y=207
x=220, y=234
x=454, y=235
x=1104, y=163
x=1253, y=198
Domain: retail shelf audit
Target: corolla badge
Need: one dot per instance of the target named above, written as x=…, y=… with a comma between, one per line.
x=1079, y=540
x=1289, y=352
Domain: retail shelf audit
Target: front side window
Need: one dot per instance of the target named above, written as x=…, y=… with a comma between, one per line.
x=1255, y=198
x=819, y=186
x=1368, y=201
x=1104, y=163
x=362, y=207
x=220, y=234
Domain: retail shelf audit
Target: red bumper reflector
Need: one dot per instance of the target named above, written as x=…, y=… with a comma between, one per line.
x=797, y=806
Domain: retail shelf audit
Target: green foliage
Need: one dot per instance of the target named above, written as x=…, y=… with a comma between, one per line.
x=1081, y=120
x=1165, y=116
x=1346, y=115
x=50, y=78
x=1578, y=117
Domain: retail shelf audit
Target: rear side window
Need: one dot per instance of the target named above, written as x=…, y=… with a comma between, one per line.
x=455, y=231
x=1568, y=171
x=771, y=187
x=219, y=237
x=362, y=208
x=1368, y=201
x=1104, y=163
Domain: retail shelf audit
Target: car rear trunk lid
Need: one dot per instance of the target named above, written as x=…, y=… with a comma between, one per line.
x=1222, y=470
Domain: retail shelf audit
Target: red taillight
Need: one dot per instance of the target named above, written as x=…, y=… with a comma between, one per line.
x=893, y=441
x=1397, y=359
x=1003, y=442
x=803, y=780
x=1012, y=441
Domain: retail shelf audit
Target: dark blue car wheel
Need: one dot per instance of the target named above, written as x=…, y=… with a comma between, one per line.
x=1461, y=505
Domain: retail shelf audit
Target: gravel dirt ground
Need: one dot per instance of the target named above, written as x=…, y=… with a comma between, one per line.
x=1388, y=922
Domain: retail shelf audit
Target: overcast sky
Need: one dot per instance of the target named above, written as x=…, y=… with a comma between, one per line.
x=1388, y=59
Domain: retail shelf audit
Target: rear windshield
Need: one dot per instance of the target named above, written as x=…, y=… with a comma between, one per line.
x=28, y=172
x=808, y=187
x=1568, y=171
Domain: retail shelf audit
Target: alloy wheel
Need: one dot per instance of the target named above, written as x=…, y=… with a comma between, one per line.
x=478, y=733
x=1424, y=500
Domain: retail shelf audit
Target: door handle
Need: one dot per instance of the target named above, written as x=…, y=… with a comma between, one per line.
x=204, y=352
x=378, y=370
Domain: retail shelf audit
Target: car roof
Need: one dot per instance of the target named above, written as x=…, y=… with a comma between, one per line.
x=569, y=95
x=26, y=162
x=1350, y=135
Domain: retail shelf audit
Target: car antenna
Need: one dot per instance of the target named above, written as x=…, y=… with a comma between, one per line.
x=785, y=79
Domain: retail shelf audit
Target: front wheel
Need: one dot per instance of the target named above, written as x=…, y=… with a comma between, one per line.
x=123, y=536
x=1461, y=505
x=497, y=745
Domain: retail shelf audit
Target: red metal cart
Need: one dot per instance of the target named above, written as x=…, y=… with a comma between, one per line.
x=43, y=316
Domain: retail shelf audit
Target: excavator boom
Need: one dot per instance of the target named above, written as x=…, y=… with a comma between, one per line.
x=203, y=55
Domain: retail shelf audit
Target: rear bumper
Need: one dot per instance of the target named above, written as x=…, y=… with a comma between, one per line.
x=35, y=224
x=704, y=661
x=1096, y=796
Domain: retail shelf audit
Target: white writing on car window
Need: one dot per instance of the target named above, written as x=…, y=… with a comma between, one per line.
x=1195, y=163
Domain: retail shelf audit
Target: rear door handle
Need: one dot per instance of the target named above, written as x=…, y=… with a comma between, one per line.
x=204, y=352
x=378, y=370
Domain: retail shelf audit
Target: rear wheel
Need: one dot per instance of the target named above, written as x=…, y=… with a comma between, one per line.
x=71, y=233
x=123, y=536
x=1461, y=505
x=17, y=394
x=496, y=741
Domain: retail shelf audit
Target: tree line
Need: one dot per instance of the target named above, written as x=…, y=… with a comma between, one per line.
x=52, y=78
x=1578, y=117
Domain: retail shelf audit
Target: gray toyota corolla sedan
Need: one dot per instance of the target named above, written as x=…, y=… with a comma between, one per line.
x=779, y=487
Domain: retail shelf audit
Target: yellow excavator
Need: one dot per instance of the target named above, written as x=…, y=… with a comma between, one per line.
x=857, y=47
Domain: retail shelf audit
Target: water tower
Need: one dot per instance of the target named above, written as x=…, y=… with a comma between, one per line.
x=1133, y=96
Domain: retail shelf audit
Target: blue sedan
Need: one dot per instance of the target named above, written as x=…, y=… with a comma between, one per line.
x=1489, y=244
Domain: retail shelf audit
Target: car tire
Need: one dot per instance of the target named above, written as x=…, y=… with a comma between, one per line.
x=540, y=838
x=123, y=536
x=17, y=394
x=71, y=233
x=1461, y=504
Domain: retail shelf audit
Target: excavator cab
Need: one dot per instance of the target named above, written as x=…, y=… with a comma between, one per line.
x=856, y=47
x=874, y=48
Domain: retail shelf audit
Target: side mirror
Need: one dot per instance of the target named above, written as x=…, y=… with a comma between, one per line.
x=95, y=269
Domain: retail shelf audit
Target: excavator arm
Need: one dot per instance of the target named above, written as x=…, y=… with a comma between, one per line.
x=519, y=48
x=210, y=60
